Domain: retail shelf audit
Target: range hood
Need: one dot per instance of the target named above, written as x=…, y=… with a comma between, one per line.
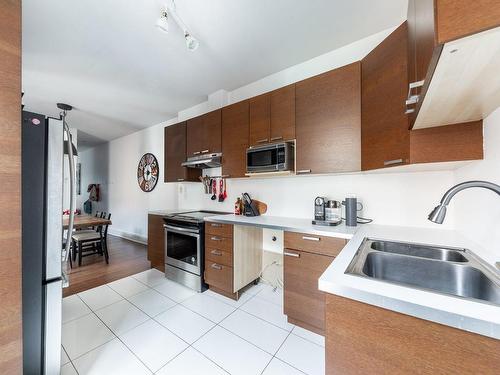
x=204, y=161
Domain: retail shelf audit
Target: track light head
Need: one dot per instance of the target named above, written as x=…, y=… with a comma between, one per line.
x=191, y=42
x=162, y=22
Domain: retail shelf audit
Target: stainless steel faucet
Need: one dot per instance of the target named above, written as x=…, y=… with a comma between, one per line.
x=438, y=214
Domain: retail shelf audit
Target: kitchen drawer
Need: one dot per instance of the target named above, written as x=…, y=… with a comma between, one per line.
x=330, y=246
x=219, y=276
x=224, y=230
x=304, y=303
x=219, y=256
x=214, y=241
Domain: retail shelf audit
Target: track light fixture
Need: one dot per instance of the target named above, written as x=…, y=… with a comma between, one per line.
x=191, y=42
x=162, y=23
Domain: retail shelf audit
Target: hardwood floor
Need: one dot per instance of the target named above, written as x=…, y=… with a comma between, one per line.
x=125, y=258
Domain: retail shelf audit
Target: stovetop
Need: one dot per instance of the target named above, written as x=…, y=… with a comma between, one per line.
x=193, y=216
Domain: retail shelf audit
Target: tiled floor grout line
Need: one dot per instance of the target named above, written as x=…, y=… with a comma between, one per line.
x=190, y=345
x=116, y=336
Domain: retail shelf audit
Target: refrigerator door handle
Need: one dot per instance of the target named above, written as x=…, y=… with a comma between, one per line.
x=72, y=187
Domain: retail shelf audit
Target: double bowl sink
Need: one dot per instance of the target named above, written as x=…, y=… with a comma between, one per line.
x=452, y=271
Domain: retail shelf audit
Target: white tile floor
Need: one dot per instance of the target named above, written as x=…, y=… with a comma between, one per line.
x=145, y=324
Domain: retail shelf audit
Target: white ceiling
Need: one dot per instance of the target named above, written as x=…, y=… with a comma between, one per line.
x=108, y=60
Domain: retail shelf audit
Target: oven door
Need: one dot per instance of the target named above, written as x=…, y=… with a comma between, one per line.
x=183, y=248
x=262, y=159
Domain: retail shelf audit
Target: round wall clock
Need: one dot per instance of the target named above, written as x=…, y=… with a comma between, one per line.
x=147, y=172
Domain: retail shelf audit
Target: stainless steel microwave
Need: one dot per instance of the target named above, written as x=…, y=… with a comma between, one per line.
x=271, y=158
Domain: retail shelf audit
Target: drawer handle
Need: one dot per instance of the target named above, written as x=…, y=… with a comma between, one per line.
x=216, y=225
x=393, y=162
x=196, y=153
x=291, y=254
x=215, y=266
x=216, y=252
x=311, y=238
x=205, y=151
x=276, y=138
x=216, y=238
x=262, y=140
x=180, y=179
x=304, y=171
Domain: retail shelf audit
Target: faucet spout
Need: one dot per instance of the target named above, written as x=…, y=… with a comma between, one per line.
x=438, y=214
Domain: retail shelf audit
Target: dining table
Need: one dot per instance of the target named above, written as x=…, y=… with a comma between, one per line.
x=85, y=221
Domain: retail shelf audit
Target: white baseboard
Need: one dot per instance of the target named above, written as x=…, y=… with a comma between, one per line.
x=128, y=236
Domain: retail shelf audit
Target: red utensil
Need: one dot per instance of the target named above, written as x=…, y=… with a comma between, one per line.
x=225, y=185
x=221, y=193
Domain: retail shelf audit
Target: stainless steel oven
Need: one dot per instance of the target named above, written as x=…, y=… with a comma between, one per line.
x=271, y=158
x=183, y=248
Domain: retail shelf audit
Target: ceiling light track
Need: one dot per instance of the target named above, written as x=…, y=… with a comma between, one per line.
x=162, y=23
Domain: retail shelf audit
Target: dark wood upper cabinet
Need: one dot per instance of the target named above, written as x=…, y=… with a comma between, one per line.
x=260, y=119
x=385, y=138
x=283, y=114
x=204, y=134
x=175, y=154
x=432, y=23
x=328, y=121
x=272, y=116
x=235, y=130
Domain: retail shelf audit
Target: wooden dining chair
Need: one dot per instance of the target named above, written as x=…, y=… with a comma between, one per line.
x=91, y=242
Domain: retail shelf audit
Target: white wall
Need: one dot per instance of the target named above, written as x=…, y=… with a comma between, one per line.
x=389, y=198
x=477, y=211
x=114, y=166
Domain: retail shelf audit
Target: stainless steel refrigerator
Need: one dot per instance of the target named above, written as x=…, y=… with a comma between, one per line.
x=42, y=236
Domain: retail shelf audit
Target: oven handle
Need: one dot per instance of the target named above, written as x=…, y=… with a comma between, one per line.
x=180, y=230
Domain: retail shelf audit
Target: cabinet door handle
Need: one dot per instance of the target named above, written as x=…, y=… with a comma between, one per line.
x=304, y=171
x=204, y=151
x=410, y=98
x=311, y=238
x=393, y=162
x=276, y=138
x=196, y=153
x=216, y=225
x=180, y=179
x=216, y=266
x=286, y=253
x=216, y=252
x=262, y=140
x=216, y=238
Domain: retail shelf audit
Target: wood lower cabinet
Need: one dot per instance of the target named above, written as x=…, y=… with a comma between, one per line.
x=235, y=130
x=175, y=154
x=328, y=121
x=156, y=242
x=304, y=304
x=204, y=134
x=365, y=339
x=233, y=257
x=385, y=138
x=305, y=261
x=218, y=273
